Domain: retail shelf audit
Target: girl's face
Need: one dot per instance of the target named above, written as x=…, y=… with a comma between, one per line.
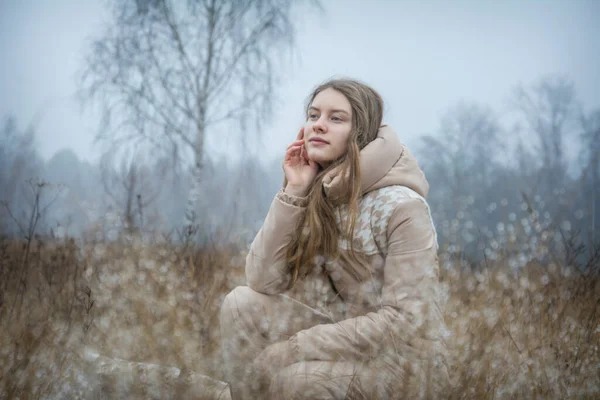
x=328, y=127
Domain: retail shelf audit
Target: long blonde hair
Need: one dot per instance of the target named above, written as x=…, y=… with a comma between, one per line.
x=318, y=233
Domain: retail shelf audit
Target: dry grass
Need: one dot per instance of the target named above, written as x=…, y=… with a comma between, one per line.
x=154, y=304
x=529, y=335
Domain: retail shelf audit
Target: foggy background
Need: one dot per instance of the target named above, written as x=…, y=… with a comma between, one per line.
x=499, y=101
x=141, y=144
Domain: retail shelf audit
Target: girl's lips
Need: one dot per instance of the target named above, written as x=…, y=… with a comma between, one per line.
x=317, y=141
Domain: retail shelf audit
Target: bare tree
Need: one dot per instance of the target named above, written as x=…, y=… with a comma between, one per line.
x=168, y=72
x=549, y=108
x=591, y=171
x=465, y=150
x=19, y=162
x=132, y=187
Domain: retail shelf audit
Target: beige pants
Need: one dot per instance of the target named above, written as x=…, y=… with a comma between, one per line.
x=250, y=321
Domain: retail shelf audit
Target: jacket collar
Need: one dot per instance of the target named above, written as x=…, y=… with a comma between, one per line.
x=383, y=162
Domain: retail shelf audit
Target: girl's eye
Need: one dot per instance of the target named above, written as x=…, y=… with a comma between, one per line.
x=312, y=115
x=336, y=119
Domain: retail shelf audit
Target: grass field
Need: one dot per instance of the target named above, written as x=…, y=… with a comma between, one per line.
x=531, y=334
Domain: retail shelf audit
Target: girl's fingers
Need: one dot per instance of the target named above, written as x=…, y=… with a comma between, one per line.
x=295, y=152
x=293, y=148
x=303, y=153
x=292, y=152
x=296, y=143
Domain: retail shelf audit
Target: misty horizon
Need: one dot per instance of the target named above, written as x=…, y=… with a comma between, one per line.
x=423, y=57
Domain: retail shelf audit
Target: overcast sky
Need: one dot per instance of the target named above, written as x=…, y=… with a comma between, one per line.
x=422, y=56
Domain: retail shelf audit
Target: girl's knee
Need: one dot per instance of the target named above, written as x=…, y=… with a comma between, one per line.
x=256, y=313
x=237, y=297
x=241, y=302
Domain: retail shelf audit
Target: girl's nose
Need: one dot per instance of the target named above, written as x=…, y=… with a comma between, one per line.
x=319, y=126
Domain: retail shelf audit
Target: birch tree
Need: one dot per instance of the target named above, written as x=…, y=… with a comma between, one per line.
x=168, y=74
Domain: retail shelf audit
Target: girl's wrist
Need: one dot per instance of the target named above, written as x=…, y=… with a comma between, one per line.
x=295, y=191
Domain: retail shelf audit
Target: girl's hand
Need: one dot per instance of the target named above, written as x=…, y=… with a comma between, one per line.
x=299, y=170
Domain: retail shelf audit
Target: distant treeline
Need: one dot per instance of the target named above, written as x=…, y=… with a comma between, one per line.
x=524, y=185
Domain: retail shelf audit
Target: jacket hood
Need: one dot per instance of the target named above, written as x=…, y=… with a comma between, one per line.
x=384, y=162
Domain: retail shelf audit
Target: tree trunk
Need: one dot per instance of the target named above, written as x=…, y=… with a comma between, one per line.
x=592, y=245
x=191, y=211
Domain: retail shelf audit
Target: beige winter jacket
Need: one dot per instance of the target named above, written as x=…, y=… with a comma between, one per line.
x=392, y=306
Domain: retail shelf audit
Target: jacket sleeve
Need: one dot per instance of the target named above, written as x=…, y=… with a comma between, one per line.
x=406, y=317
x=266, y=270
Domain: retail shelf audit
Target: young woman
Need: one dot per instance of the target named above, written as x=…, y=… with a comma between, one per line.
x=343, y=296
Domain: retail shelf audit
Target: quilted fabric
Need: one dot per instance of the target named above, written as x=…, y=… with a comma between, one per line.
x=375, y=210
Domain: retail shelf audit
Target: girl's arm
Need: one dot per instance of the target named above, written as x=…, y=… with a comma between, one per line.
x=266, y=269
